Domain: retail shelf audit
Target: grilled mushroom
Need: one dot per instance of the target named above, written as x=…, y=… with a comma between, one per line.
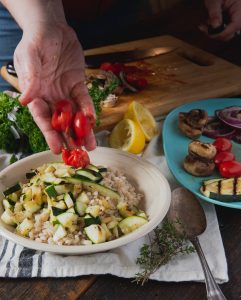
x=199, y=161
x=198, y=167
x=204, y=151
x=193, y=122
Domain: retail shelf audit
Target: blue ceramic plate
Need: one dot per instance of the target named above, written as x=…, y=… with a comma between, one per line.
x=176, y=146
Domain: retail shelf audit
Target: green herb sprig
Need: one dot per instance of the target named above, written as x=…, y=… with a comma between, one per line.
x=98, y=95
x=165, y=244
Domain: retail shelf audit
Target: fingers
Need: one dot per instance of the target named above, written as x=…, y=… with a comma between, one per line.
x=28, y=66
x=42, y=116
x=90, y=142
x=81, y=97
x=214, y=8
x=228, y=32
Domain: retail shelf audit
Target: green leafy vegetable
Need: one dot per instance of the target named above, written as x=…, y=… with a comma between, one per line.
x=13, y=159
x=165, y=244
x=31, y=139
x=98, y=95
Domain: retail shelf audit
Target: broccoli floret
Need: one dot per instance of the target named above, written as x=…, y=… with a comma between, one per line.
x=7, y=141
x=32, y=139
x=26, y=123
x=37, y=141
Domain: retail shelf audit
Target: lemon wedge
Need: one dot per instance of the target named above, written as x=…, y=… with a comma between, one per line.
x=138, y=113
x=127, y=136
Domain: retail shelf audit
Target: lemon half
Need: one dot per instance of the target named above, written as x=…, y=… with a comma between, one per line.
x=127, y=136
x=138, y=113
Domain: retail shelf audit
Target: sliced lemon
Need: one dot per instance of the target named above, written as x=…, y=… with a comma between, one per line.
x=138, y=113
x=127, y=136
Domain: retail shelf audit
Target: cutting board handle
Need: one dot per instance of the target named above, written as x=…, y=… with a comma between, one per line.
x=197, y=58
x=10, y=78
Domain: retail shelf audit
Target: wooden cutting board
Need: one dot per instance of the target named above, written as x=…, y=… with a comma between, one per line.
x=181, y=76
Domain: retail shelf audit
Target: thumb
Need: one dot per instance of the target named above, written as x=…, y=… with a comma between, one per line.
x=28, y=66
x=214, y=9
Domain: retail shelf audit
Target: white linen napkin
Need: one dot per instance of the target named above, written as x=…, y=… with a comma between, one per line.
x=16, y=261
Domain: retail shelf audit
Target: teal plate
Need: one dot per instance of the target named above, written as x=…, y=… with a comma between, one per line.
x=176, y=146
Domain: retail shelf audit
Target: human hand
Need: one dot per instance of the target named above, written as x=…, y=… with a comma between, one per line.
x=50, y=67
x=215, y=10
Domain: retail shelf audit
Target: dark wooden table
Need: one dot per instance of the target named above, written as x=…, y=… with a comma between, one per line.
x=110, y=287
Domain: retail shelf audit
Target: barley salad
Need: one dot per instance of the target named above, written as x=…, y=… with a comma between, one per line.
x=62, y=205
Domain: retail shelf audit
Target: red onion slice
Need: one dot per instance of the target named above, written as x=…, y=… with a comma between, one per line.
x=215, y=128
x=231, y=116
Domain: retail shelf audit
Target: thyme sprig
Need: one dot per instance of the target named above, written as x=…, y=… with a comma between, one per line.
x=165, y=244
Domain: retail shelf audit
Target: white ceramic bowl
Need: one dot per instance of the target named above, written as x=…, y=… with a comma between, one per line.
x=146, y=177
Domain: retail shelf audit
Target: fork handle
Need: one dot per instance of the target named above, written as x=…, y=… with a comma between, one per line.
x=213, y=290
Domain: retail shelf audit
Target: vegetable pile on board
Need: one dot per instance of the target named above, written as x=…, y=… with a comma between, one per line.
x=112, y=79
x=18, y=131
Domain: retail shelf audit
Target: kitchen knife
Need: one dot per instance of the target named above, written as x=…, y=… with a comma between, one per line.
x=95, y=60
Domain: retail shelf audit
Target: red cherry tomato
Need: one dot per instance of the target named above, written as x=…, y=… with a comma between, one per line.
x=136, y=81
x=223, y=156
x=77, y=158
x=62, y=121
x=230, y=169
x=63, y=105
x=116, y=68
x=65, y=155
x=82, y=125
x=222, y=144
x=62, y=117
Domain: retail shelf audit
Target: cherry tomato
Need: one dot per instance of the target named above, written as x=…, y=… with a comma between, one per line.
x=116, y=68
x=62, y=117
x=77, y=158
x=63, y=105
x=136, y=81
x=65, y=154
x=222, y=144
x=62, y=121
x=82, y=125
x=230, y=169
x=223, y=156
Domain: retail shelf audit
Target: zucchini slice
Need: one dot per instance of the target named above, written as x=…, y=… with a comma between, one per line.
x=96, y=233
x=103, y=190
x=89, y=175
x=68, y=200
x=103, y=170
x=93, y=186
x=83, y=197
x=222, y=189
x=8, y=217
x=67, y=219
x=92, y=167
x=51, y=191
x=24, y=227
x=93, y=210
x=130, y=224
x=59, y=233
x=7, y=204
x=15, y=188
x=125, y=210
x=89, y=220
x=80, y=208
x=57, y=211
x=31, y=206
x=30, y=175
